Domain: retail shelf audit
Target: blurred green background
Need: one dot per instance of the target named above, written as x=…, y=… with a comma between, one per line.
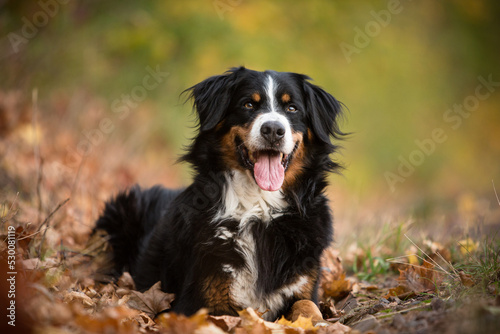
x=398, y=66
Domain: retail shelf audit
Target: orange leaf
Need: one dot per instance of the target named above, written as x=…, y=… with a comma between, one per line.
x=301, y=322
x=178, y=323
x=337, y=289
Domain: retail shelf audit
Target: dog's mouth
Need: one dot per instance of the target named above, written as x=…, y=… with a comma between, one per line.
x=268, y=165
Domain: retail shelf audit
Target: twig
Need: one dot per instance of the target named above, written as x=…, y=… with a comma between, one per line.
x=32, y=234
x=448, y=263
x=498, y=200
x=9, y=210
x=431, y=259
x=77, y=176
x=36, y=151
x=417, y=265
x=14, y=201
x=468, y=252
x=46, y=222
x=386, y=315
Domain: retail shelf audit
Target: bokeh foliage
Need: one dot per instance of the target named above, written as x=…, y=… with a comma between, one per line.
x=397, y=88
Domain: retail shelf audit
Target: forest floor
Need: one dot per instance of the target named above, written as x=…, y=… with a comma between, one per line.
x=57, y=167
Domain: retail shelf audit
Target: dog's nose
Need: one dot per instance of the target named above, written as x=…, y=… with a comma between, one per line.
x=272, y=131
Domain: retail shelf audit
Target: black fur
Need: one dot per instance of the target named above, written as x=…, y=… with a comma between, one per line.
x=170, y=235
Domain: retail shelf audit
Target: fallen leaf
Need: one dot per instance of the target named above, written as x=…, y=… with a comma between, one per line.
x=76, y=296
x=90, y=292
x=416, y=279
x=108, y=288
x=251, y=321
x=466, y=279
x=336, y=328
x=301, y=322
x=399, y=291
x=119, y=319
x=145, y=321
x=226, y=322
x=412, y=257
x=331, y=264
x=468, y=246
x=178, y=323
x=422, y=278
x=337, y=289
x=151, y=302
x=328, y=310
x=126, y=281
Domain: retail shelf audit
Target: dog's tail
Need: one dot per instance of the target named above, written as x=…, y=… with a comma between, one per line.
x=126, y=220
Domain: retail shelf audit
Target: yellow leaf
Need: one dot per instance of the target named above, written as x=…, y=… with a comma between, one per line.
x=413, y=259
x=468, y=246
x=301, y=322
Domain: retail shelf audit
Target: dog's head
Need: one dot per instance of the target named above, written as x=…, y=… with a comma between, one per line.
x=271, y=125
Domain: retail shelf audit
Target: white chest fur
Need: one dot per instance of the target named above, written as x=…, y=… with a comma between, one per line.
x=243, y=288
x=242, y=201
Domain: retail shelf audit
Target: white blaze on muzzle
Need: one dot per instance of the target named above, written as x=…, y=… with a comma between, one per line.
x=269, y=170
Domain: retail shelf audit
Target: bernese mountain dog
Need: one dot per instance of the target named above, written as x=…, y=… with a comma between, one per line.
x=251, y=228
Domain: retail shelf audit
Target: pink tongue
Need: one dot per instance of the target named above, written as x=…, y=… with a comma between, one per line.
x=269, y=172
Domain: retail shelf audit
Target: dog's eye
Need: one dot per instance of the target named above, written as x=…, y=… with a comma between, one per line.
x=249, y=106
x=291, y=108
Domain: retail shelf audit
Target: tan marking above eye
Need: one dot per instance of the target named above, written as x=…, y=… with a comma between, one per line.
x=256, y=97
x=285, y=98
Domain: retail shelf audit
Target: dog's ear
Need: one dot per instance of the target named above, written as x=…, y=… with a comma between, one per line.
x=212, y=97
x=323, y=111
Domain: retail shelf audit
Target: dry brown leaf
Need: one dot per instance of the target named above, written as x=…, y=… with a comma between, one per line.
x=226, y=322
x=108, y=288
x=422, y=278
x=253, y=323
x=126, y=281
x=466, y=279
x=76, y=296
x=331, y=262
x=400, y=291
x=89, y=291
x=416, y=279
x=336, y=328
x=151, y=302
x=328, y=310
x=145, y=321
x=337, y=289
